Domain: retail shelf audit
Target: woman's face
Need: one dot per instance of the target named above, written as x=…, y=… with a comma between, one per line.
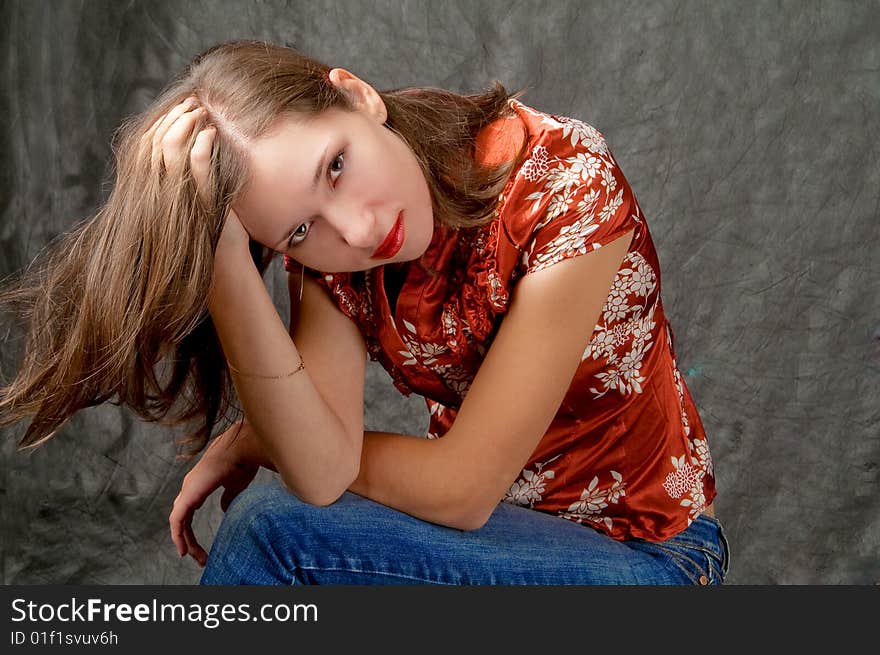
x=340, y=192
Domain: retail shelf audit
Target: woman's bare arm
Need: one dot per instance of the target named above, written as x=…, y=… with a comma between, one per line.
x=315, y=452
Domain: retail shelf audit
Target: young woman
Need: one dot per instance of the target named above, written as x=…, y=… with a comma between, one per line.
x=491, y=256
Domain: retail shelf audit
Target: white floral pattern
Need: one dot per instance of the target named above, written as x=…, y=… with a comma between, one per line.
x=498, y=295
x=580, y=133
x=625, y=325
x=535, y=167
x=418, y=351
x=700, y=450
x=682, y=478
x=564, y=179
x=527, y=490
x=594, y=499
x=686, y=479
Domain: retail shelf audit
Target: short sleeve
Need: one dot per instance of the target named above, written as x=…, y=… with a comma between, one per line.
x=574, y=197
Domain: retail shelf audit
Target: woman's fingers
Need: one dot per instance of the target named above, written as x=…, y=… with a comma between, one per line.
x=193, y=547
x=168, y=136
x=165, y=121
x=184, y=538
x=162, y=126
x=174, y=139
x=217, y=467
x=175, y=521
x=180, y=522
x=200, y=161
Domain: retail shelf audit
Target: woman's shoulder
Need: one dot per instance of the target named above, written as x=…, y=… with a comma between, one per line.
x=567, y=165
x=502, y=139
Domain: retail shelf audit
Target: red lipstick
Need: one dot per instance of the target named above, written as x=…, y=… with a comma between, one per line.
x=393, y=242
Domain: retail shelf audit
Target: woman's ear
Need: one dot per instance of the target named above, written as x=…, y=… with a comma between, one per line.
x=363, y=96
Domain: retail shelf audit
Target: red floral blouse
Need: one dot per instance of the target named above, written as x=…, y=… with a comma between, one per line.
x=626, y=452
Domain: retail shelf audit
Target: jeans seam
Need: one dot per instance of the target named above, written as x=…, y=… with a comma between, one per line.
x=723, y=559
x=721, y=562
x=685, y=544
x=713, y=557
x=371, y=572
x=674, y=555
x=725, y=544
x=725, y=549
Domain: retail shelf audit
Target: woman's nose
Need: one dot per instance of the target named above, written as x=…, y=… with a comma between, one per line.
x=358, y=230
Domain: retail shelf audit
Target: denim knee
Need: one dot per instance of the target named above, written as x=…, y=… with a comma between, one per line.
x=245, y=546
x=250, y=502
x=256, y=512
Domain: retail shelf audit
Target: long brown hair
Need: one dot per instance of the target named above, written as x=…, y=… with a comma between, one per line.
x=116, y=309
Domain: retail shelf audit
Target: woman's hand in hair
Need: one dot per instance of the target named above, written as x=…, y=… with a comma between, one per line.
x=233, y=235
x=168, y=139
x=226, y=463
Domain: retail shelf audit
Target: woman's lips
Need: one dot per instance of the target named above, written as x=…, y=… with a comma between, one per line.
x=393, y=242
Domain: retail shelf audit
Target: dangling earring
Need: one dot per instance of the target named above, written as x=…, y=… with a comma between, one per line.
x=302, y=276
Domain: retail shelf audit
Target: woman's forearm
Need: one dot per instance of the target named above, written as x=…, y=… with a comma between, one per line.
x=315, y=456
x=399, y=471
x=417, y=476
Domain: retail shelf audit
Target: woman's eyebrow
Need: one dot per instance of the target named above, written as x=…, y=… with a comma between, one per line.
x=317, y=178
x=320, y=167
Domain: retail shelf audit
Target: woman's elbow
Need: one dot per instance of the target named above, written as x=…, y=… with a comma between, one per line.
x=327, y=492
x=471, y=523
x=473, y=517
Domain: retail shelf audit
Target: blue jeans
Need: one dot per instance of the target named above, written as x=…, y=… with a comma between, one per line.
x=270, y=537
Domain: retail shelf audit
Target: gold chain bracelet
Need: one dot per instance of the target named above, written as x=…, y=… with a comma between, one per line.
x=301, y=366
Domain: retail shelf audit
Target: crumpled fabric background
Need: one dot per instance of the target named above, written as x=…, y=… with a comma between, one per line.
x=748, y=131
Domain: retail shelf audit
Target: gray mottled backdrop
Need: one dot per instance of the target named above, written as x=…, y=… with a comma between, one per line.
x=749, y=132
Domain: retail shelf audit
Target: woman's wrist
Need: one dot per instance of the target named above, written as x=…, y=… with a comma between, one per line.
x=232, y=265
x=250, y=450
x=233, y=247
x=234, y=239
x=231, y=257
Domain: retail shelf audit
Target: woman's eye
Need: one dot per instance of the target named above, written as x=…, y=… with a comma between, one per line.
x=299, y=234
x=340, y=157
